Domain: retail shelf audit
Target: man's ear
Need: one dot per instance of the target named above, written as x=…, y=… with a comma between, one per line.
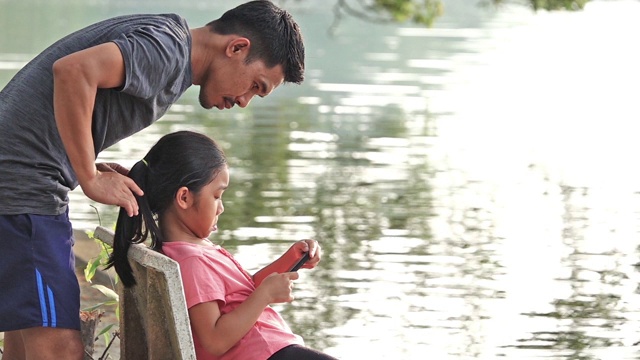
x=183, y=198
x=238, y=46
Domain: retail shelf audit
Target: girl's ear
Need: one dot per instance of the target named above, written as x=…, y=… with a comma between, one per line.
x=183, y=197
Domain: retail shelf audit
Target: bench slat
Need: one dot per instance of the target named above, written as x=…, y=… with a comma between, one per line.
x=154, y=322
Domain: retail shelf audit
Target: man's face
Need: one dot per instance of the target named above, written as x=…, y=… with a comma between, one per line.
x=237, y=83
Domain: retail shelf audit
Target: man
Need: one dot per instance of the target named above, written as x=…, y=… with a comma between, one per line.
x=83, y=94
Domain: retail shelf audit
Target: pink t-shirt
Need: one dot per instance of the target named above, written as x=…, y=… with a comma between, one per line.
x=210, y=273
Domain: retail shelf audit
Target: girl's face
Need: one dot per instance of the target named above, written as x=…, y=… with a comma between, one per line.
x=207, y=206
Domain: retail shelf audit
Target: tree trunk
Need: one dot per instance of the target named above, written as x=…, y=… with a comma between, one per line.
x=89, y=321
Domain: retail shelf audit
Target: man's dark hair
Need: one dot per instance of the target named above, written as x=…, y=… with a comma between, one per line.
x=275, y=37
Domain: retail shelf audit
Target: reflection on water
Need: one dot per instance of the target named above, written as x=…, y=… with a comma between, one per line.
x=472, y=185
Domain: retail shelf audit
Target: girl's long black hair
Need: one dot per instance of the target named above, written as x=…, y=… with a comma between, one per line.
x=178, y=159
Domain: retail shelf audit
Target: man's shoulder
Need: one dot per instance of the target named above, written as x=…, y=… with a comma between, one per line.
x=169, y=22
x=121, y=26
x=142, y=18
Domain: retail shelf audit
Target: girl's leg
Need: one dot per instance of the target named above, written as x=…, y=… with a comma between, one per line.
x=295, y=352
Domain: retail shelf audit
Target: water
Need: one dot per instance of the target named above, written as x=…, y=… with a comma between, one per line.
x=473, y=185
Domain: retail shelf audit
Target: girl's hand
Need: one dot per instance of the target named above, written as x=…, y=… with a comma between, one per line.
x=278, y=287
x=285, y=262
x=300, y=247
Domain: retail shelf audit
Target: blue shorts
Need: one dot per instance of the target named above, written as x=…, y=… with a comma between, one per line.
x=38, y=283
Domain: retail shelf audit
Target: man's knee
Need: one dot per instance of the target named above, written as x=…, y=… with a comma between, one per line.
x=13, y=346
x=52, y=343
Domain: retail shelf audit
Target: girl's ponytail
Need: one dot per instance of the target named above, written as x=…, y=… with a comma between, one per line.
x=133, y=230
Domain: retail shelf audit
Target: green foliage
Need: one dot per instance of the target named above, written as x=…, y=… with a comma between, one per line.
x=90, y=272
x=550, y=4
x=112, y=297
x=559, y=4
x=426, y=12
x=423, y=12
x=110, y=294
x=420, y=12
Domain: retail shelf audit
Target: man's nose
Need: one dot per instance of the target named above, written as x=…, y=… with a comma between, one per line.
x=244, y=100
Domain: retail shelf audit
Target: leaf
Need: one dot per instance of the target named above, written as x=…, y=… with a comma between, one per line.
x=111, y=302
x=105, y=250
x=106, y=330
x=94, y=307
x=107, y=292
x=91, y=268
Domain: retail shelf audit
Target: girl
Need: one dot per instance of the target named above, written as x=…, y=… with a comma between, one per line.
x=183, y=178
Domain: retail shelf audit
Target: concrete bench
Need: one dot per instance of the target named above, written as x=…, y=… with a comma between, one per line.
x=154, y=322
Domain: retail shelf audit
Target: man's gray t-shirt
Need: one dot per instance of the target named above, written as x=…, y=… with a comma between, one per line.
x=35, y=173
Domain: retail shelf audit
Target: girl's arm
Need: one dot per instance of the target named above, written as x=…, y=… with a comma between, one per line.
x=289, y=258
x=219, y=333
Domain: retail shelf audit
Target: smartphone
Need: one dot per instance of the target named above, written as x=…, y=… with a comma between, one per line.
x=300, y=262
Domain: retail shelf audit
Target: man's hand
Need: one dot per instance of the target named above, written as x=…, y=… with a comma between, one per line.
x=112, y=167
x=111, y=186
